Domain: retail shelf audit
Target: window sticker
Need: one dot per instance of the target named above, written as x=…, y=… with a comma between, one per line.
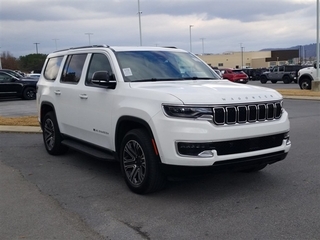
x=127, y=72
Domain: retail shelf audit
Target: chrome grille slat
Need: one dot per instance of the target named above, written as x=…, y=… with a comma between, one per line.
x=239, y=114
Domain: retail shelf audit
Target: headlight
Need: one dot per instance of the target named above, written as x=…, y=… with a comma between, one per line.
x=186, y=111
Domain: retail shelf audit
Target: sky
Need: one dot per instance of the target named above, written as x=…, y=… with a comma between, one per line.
x=213, y=26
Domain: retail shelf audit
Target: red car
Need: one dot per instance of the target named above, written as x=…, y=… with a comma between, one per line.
x=234, y=75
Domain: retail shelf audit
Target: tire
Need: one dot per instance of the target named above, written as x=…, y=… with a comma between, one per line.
x=305, y=84
x=29, y=93
x=263, y=79
x=139, y=163
x=274, y=81
x=286, y=80
x=254, y=168
x=51, y=135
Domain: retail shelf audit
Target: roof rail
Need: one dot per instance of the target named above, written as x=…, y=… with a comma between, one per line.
x=169, y=47
x=89, y=46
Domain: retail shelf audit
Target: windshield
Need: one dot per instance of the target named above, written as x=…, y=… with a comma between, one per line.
x=162, y=66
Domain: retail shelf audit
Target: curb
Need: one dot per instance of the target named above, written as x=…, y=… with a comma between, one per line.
x=20, y=129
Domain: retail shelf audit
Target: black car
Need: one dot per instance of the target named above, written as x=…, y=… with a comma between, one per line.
x=11, y=86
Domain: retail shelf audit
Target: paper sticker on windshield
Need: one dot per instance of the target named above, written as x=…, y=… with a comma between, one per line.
x=127, y=72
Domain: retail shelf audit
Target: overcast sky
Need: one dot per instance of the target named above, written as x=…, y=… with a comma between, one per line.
x=217, y=25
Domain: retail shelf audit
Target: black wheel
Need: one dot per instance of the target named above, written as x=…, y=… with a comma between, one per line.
x=254, y=168
x=274, y=81
x=29, y=93
x=263, y=79
x=305, y=84
x=139, y=163
x=51, y=135
x=286, y=79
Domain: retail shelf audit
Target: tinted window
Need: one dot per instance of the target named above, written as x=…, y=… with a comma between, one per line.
x=52, y=68
x=5, y=77
x=99, y=62
x=73, y=68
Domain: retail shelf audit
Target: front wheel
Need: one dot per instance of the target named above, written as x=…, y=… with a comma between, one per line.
x=51, y=135
x=305, y=84
x=140, y=164
x=29, y=93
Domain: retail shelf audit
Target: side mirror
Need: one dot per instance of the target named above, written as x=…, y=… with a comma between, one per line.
x=102, y=78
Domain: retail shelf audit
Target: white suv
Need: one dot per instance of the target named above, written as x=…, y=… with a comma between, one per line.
x=158, y=111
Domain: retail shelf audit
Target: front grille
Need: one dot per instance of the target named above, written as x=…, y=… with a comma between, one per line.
x=223, y=115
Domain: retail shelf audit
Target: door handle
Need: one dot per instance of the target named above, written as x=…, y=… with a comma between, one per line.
x=83, y=96
x=57, y=92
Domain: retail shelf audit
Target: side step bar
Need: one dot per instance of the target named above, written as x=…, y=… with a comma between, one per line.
x=94, y=152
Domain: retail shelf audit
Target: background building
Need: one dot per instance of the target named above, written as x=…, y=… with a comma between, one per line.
x=260, y=59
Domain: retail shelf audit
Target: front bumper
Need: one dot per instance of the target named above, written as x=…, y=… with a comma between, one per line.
x=171, y=131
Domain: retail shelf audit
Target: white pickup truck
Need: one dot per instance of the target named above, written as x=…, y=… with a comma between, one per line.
x=306, y=76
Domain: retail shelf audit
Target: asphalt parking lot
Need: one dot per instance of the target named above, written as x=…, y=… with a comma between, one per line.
x=17, y=108
x=76, y=197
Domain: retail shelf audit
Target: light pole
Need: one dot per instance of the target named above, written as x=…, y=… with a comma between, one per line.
x=89, y=37
x=139, y=14
x=318, y=9
x=241, y=55
x=55, y=42
x=190, y=26
x=315, y=85
x=202, y=39
x=36, y=47
x=0, y=60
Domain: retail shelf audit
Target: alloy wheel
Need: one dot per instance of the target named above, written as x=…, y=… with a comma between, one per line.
x=134, y=162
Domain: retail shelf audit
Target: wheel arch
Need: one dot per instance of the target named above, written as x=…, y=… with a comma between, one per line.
x=305, y=75
x=127, y=123
x=44, y=109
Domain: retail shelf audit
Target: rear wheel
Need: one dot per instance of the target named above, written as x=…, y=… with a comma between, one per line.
x=263, y=79
x=305, y=83
x=29, y=93
x=286, y=79
x=139, y=163
x=51, y=135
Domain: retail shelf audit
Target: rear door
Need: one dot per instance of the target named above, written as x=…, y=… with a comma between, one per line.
x=66, y=94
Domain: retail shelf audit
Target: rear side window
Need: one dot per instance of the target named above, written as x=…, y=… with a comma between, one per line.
x=73, y=68
x=52, y=68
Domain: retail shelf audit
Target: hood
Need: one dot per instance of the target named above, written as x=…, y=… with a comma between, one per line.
x=211, y=91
